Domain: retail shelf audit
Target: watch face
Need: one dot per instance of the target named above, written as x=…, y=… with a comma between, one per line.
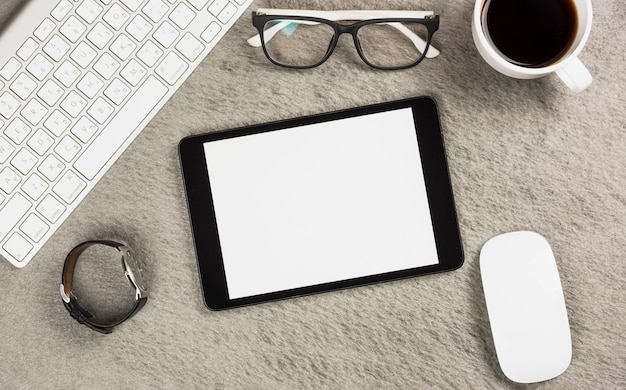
x=135, y=268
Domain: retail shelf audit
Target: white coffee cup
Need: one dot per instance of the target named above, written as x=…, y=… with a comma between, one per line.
x=568, y=67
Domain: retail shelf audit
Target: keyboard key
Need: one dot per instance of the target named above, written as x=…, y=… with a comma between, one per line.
x=34, y=227
x=117, y=91
x=190, y=47
x=89, y=11
x=50, y=92
x=56, y=48
x=40, y=67
x=24, y=161
x=116, y=16
x=106, y=66
x=210, y=32
x=182, y=15
x=84, y=129
x=61, y=10
x=27, y=49
x=10, y=69
x=72, y=29
x=123, y=47
x=100, y=35
x=171, y=68
x=45, y=29
x=34, y=112
x=8, y=180
x=100, y=110
x=69, y=187
x=83, y=54
x=40, y=142
x=166, y=34
x=217, y=6
x=6, y=149
x=67, y=148
x=149, y=53
x=50, y=208
x=35, y=186
x=73, y=104
x=133, y=72
x=57, y=123
x=139, y=28
x=107, y=143
x=8, y=105
x=155, y=10
x=90, y=85
x=67, y=73
x=18, y=247
x=227, y=13
x=17, y=131
x=23, y=86
x=51, y=167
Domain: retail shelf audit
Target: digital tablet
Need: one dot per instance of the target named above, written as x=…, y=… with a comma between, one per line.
x=319, y=203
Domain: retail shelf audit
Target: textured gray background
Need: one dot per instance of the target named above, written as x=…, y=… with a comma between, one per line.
x=522, y=154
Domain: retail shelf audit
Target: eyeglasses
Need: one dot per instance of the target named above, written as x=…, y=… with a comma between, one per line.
x=387, y=40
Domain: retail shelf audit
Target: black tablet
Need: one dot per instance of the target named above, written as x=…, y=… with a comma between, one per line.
x=320, y=203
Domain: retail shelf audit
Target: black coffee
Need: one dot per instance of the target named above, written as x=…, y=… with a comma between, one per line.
x=530, y=33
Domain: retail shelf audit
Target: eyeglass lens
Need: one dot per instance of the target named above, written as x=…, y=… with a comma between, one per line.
x=301, y=43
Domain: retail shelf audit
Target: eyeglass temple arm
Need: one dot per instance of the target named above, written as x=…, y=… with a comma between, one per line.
x=419, y=43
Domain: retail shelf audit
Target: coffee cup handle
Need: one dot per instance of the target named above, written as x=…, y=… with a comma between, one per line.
x=575, y=75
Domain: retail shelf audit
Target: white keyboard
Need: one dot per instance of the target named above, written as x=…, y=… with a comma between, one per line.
x=79, y=79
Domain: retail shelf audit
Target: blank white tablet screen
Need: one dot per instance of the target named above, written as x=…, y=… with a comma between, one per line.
x=320, y=203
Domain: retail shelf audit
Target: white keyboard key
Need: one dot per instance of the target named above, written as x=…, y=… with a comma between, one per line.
x=227, y=13
x=50, y=92
x=132, y=4
x=67, y=148
x=123, y=47
x=100, y=110
x=40, y=142
x=106, y=66
x=113, y=136
x=40, y=67
x=117, y=91
x=84, y=129
x=83, y=54
x=24, y=161
x=56, y=48
x=217, y=6
x=139, y=28
x=69, y=187
x=27, y=49
x=8, y=180
x=10, y=69
x=8, y=105
x=72, y=29
x=155, y=10
x=116, y=16
x=50, y=208
x=18, y=247
x=35, y=186
x=171, y=68
x=100, y=35
x=57, y=123
x=17, y=130
x=199, y=4
x=61, y=10
x=6, y=149
x=182, y=15
x=23, y=86
x=67, y=73
x=34, y=112
x=190, y=47
x=90, y=85
x=166, y=34
x=89, y=11
x=45, y=29
x=51, y=167
x=149, y=53
x=210, y=32
x=73, y=104
x=133, y=72
x=34, y=227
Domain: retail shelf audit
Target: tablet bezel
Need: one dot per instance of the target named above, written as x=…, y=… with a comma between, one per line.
x=436, y=177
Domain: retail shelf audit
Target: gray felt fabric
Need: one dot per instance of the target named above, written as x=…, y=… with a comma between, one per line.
x=523, y=155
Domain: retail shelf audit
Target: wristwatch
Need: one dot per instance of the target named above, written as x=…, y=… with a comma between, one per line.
x=134, y=271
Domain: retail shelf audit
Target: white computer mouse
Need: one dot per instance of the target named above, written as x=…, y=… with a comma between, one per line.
x=526, y=307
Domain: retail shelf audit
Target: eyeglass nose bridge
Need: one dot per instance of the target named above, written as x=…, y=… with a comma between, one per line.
x=341, y=29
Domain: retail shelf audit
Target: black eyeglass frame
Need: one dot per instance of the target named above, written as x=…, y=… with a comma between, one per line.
x=260, y=20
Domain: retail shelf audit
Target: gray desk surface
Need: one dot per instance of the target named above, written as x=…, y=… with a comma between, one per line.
x=522, y=155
